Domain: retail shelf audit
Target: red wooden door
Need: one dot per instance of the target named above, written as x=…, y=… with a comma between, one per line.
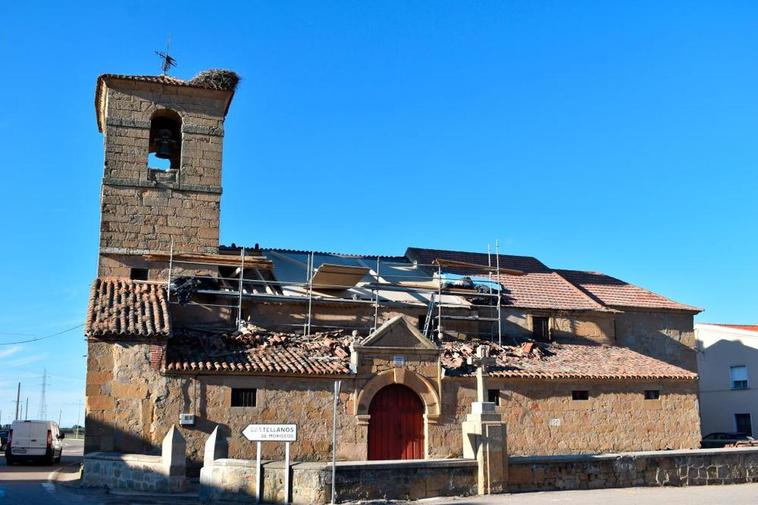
x=396, y=425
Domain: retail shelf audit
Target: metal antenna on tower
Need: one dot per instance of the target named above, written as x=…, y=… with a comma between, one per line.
x=168, y=60
x=42, y=399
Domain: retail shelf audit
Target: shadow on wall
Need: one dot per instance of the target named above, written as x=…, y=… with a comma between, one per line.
x=101, y=436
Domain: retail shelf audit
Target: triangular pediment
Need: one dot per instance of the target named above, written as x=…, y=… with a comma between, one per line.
x=398, y=332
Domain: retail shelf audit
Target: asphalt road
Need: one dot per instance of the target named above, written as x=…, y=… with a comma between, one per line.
x=28, y=484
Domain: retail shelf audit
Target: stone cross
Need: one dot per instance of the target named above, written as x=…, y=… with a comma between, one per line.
x=482, y=362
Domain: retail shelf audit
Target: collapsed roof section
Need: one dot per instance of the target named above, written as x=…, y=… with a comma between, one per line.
x=425, y=278
x=256, y=351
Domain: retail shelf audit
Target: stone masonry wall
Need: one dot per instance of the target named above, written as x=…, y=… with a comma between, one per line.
x=542, y=418
x=669, y=468
x=135, y=472
x=144, y=209
x=230, y=480
x=130, y=404
x=564, y=325
x=665, y=335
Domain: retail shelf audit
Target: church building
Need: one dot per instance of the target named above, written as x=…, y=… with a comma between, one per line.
x=184, y=331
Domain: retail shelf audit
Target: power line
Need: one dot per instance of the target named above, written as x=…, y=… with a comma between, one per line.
x=37, y=339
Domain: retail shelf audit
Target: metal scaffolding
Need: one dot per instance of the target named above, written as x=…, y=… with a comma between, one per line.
x=247, y=284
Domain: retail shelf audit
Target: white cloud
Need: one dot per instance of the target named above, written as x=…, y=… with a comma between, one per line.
x=28, y=360
x=9, y=351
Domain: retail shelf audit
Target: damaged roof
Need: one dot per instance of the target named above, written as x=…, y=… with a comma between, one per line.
x=544, y=287
x=530, y=360
x=126, y=307
x=256, y=351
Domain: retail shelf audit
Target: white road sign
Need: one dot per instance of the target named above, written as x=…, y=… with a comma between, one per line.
x=271, y=432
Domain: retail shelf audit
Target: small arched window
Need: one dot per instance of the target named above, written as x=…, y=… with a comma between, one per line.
x=165, y=151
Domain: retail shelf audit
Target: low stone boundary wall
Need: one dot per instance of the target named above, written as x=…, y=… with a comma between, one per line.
x=233, y=480
x=696, y=467
x=405, y=480
x=139, y=472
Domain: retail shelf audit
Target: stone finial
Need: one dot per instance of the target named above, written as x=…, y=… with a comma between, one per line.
x=483, y=351
x=215, y=448
x=173, y=452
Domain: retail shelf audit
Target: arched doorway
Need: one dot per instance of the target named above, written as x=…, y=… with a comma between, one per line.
x=396, y=425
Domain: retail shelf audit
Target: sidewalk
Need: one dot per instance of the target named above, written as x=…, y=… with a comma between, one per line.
x=735, y=494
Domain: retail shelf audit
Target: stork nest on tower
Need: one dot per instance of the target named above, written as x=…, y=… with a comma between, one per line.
x=220, y=79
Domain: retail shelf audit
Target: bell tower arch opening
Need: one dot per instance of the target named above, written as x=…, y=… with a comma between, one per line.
x=165, y=145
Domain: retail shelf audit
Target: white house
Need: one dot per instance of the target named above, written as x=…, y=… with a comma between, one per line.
x=728, y=368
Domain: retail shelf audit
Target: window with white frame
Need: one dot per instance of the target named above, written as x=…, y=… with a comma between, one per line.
x=738, y=374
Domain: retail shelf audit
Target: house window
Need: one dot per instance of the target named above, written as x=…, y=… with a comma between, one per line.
x=541, y=328
x=652, y=394
x=738, y=375
x=743, y=424
x=493, y=396
x=581, y=394
x=138, y=274
x=243, y=397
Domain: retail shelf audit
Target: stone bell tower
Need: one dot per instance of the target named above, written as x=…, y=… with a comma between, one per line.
x=161, y=185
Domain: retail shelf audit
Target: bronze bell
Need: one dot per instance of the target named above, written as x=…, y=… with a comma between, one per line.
x=165, y=145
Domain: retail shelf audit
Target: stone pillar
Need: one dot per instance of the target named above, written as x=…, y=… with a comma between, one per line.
x=484, y=439
x=174, y=459
x=484, y=432
x=215, y=448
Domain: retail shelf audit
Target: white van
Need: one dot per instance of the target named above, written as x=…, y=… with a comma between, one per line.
x=38, y=440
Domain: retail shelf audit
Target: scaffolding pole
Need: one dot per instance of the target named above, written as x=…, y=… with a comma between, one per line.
x=170, y=267
x=439, y=302
x=499, y=299
x=376, y=298
x=242, y=278
x=309, y=267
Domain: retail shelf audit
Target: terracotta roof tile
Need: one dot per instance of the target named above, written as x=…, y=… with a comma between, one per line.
x=253, y=350
x=746, y=327
x=563, y=361
x=544, y=287
x=617, y=293
x=127, y=307
x=544, y=290
x=538, y=288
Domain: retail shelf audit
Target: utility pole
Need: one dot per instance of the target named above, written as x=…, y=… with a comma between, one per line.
x=42, y=399
x=26, y=415
x=78, y=414
x=60, y=414
x=18, y=400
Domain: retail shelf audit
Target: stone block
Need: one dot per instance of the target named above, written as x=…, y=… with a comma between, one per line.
x=99, y=402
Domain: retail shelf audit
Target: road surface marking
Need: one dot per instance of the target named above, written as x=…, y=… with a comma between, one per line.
x=49, y=487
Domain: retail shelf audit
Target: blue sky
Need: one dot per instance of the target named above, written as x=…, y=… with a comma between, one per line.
x=610, y=136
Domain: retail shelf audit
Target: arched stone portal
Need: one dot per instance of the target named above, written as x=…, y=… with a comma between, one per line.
x=419, y=385
x=396, y=425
